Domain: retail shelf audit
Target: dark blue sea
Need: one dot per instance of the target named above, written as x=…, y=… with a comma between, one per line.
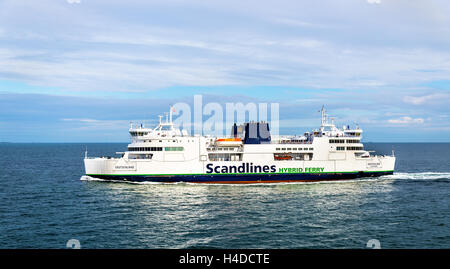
x=43, y=204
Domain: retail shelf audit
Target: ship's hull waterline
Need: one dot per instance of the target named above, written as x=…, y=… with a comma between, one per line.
x=242, y=178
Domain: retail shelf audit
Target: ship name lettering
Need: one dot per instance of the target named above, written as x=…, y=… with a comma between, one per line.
x=124, y=167
x=237, y=169
x=301, y=170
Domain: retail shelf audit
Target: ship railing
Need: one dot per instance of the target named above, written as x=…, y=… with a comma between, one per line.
x=340, y=135
x=344, y=135
x=292, y=142
x=102, y=157
x=225, y=149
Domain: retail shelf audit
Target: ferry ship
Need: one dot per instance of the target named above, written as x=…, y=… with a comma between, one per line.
x=249, y=155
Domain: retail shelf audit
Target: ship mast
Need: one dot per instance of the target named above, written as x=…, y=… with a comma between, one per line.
x=324, y=121
x=323, y=116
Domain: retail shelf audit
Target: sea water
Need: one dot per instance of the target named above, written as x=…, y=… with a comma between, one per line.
x=44, y=204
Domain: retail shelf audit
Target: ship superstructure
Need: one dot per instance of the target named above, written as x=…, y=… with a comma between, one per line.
x=249, y=155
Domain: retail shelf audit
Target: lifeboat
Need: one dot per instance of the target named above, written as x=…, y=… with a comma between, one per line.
x=283, y=157
x=229, y=142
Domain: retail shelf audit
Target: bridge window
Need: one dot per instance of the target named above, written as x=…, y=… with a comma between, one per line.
x=134, y=133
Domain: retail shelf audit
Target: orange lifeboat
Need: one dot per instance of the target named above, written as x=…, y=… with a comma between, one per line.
x=283, y=157
x=229, y=142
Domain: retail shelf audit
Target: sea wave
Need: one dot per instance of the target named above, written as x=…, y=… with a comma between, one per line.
x=419, y=175
x=89, y=178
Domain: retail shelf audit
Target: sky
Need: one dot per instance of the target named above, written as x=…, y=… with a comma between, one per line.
x=81, y=70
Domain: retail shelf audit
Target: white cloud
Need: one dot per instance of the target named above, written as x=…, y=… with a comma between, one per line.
x=426, y=98
x=73, y=1
x=406, y=120
x=300, y=23
x=374, y=1
x=82, y=120
x=99, y=51
x=91, y=124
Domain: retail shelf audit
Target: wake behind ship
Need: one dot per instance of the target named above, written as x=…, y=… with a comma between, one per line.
x=250, y=155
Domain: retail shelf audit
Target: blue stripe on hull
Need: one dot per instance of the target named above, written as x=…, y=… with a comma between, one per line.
x=245, y=178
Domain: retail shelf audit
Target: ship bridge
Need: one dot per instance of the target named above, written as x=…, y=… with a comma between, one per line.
x=164, y=129
x=329, y=129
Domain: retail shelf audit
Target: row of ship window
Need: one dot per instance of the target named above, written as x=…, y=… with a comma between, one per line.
x=155, y=149
x=341, y=141
x=294, y=149
x=350, y=148
x=216, y=157
x=140, y=156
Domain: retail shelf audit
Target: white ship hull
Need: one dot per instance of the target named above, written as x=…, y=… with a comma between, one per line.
x=169, y=156
x=249, y=171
